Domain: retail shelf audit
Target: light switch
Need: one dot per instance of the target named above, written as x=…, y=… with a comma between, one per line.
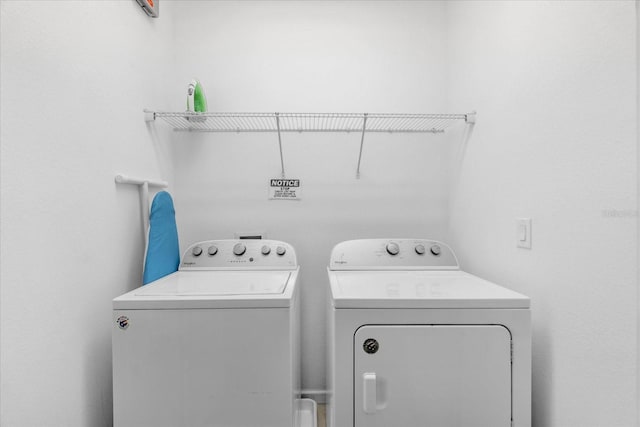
x=523, y=232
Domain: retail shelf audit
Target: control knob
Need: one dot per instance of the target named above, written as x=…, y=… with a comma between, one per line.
x=212, y=250
x=281, y=250
x=266, y=250
x=239, y=249
x=393, y=248
x=196, y=251
x=420, y=250
x=436, y=250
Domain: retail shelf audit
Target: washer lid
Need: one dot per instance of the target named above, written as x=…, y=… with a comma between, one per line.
x=213, y=289
x=419, y=289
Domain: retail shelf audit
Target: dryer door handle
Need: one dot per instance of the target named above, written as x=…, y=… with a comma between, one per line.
x=369, y=395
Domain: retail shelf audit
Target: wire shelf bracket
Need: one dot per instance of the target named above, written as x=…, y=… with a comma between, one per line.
x=280, y=144
x=364, y=129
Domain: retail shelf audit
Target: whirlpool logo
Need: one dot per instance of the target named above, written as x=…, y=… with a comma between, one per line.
x=123, y=322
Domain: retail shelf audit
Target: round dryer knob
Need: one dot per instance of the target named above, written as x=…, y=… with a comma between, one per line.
x=393, y=248
x=196, y=251
x=212, y=250
x=436, y=250
x=281, y=250
x=266, y=250
x=420, y=250
x=239, y=249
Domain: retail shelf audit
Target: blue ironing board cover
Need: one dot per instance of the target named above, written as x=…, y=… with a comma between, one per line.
x=163, y=252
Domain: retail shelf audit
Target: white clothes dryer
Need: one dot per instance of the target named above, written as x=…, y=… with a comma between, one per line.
x=414, y=341
x=214, y=344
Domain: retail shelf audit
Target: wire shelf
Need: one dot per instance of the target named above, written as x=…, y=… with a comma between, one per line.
x=309, y=122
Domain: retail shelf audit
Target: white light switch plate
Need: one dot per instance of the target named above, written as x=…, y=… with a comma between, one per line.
x=523, y=233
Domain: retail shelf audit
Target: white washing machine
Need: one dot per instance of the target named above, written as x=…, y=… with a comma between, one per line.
x=215, y=344
x=414, y=341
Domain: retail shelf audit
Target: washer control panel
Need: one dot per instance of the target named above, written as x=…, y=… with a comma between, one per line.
x=239, y=255
x=390, y=254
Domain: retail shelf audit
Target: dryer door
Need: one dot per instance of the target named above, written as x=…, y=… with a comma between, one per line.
x=432, y=376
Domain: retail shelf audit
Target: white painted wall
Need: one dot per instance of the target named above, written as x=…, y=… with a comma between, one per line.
x=75, y=77
x=312, y=57
x=555, y=84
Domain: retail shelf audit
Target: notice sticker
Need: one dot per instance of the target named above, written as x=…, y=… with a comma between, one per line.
x=284, y=189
